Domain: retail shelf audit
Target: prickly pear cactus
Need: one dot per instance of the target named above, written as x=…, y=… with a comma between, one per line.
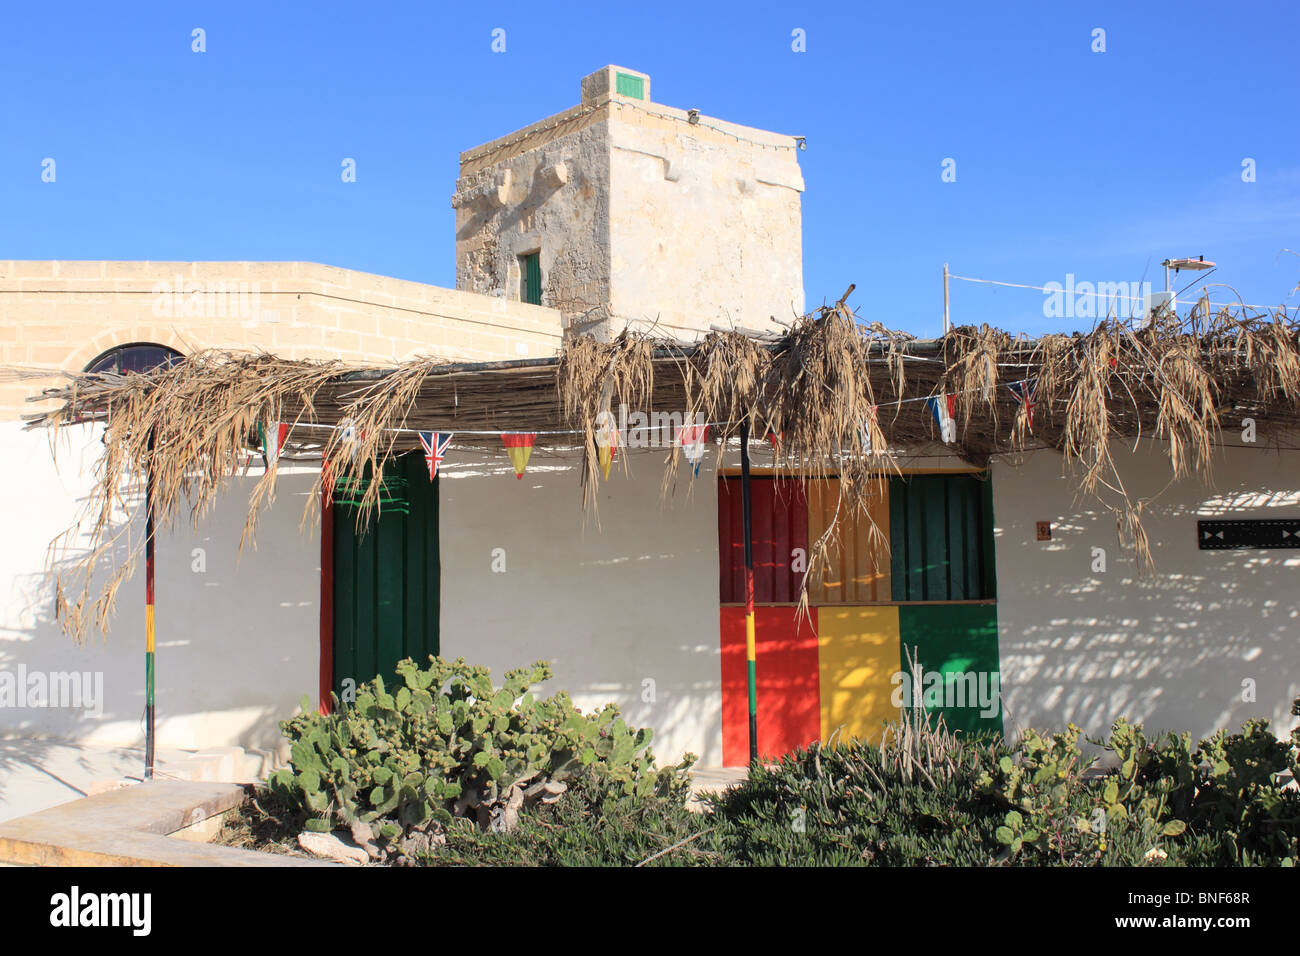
x=448, y=742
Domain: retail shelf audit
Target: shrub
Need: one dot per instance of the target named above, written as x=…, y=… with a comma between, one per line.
x=910, y=801
x=1220, y=804
x=594, y=824
x=449, y=742
x=493, y=775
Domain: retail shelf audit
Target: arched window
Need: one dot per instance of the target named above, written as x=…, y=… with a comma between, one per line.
x=135, y=357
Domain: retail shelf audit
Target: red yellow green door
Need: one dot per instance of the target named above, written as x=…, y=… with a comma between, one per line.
x=910, y=579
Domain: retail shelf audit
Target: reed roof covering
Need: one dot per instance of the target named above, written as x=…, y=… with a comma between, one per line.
x=842, y=395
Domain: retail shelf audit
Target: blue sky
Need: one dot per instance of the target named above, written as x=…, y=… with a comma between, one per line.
x=1068, y=161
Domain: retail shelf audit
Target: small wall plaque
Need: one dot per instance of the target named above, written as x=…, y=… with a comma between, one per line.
x=1263, y=533
x=1044, y=530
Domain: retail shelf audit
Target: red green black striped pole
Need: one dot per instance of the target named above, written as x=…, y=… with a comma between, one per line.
x=751, y=647
x=148, y=616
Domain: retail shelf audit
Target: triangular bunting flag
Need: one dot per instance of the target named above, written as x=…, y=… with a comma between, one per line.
x=1026, y=396
x=692, y=438
x=435, y=448
x=867, y=426
x=272, y=441
x=349, y=438
x=519, y=446
x=944, y=409
x=606, y=447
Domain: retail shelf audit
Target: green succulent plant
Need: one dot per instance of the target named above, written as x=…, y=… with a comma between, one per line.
x=448, y=742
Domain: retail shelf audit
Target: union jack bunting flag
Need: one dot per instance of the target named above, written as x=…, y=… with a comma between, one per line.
x=435, y=449
x=1025, y=393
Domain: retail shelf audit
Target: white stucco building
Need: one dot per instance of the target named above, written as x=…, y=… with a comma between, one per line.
x=620, y=212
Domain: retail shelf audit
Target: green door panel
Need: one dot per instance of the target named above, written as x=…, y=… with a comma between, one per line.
x=386, y=578
x=941, y=538
x=957, y=647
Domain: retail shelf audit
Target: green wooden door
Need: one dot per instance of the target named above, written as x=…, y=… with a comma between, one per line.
x=386, y=579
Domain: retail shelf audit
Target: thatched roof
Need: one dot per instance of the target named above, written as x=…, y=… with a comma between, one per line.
x=191, y=424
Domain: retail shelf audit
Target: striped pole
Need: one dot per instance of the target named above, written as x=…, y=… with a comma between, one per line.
x=751, y=647
x=148, y=617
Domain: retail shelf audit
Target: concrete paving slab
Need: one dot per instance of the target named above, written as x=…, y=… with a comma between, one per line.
x=130, y=827
x=713, y=780
x=37, y=773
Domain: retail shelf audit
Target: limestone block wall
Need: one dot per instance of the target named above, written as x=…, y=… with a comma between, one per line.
x=60, y=315
x=546, y=190
x=705, y=222
x=644, y=215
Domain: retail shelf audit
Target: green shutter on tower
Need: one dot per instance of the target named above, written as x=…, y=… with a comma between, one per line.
x=386, y=579
x=941, y=538
x=627, y=85
x=530, y=278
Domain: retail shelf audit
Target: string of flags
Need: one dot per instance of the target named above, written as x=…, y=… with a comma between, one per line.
x=518, y=445
x=693, y=439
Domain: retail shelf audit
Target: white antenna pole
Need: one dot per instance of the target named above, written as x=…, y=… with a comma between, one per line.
x=946, y=324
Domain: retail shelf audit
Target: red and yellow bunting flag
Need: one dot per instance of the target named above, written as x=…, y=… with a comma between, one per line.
x=606, y=447
x=519, y=446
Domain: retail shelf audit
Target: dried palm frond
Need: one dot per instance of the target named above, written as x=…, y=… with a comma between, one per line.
x=844, y=398
x=594, y=379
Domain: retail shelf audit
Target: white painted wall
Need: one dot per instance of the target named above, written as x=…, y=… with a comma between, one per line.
x=634, y=599
x=237, y=645
x=1170, y=650
x=631, y=596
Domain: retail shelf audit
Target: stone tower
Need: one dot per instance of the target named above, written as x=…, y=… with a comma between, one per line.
x=622, y=212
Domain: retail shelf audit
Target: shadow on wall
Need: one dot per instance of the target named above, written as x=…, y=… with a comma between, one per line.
x=237, y=638
x=1205, y=642
x=624, y=607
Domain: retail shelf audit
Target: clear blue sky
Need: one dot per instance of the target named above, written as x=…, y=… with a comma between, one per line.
x=1067, y=161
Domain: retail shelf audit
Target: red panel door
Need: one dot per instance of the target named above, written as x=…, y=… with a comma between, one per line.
x=780, y=517
x=789, y=696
